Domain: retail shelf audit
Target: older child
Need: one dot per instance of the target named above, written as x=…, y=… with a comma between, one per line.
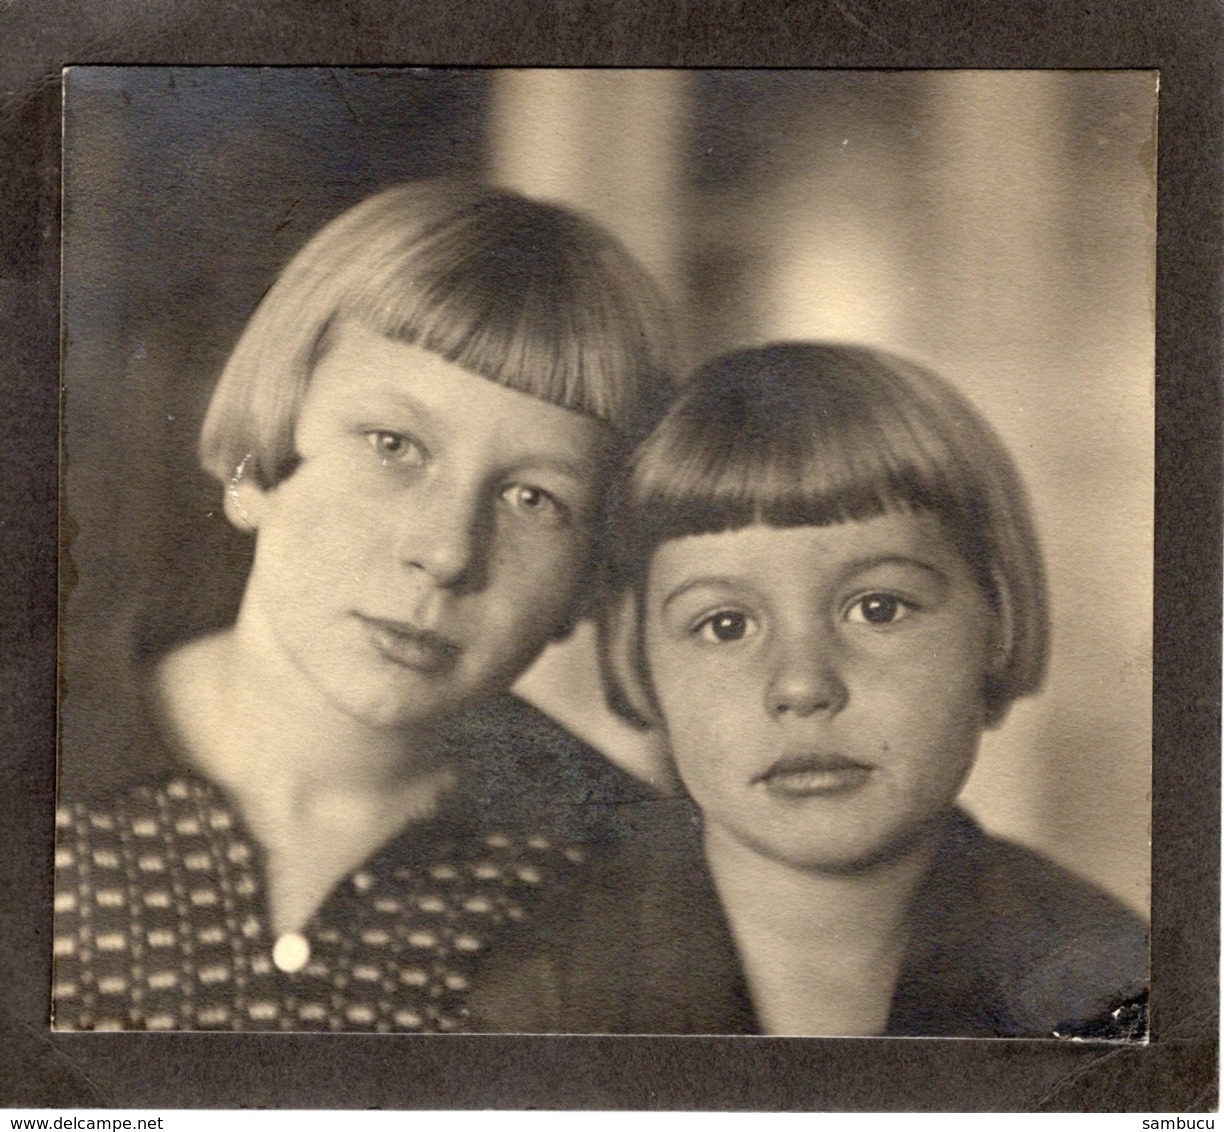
x=825, y=584
x=344, y=813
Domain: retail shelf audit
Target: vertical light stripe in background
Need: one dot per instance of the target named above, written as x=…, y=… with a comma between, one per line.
x=607, y=142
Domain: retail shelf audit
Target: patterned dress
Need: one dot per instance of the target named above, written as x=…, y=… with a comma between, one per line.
x=161, y=922
x=161, y=914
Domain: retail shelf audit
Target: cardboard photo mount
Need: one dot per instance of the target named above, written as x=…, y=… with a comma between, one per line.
x=1176, y=1071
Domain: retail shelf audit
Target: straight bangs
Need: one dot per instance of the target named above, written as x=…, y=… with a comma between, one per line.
x=526, y=294
x=795, y=435
x=529, y=296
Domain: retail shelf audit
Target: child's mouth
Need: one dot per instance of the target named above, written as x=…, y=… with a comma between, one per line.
x=414, y=648
x=817, y=773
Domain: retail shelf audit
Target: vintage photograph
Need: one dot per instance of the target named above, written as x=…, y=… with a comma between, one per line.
x=606, y=552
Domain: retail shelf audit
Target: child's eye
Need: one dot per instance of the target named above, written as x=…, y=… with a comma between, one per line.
x=726, y=626
x=878, y=609
x=395, y=447
x=527, y=499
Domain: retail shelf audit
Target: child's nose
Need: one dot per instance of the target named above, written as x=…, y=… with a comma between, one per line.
x=806, y=680
x=442, y=533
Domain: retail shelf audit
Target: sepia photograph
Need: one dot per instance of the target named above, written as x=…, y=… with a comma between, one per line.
x=610, y=552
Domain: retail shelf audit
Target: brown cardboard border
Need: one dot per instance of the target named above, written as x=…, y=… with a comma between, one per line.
x=1176, y=1072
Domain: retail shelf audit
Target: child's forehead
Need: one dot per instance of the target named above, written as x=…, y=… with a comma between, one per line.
x=358, y=354
x=919, y=539
x=379, y=380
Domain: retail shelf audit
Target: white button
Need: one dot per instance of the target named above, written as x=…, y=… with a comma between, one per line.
x=291, y=952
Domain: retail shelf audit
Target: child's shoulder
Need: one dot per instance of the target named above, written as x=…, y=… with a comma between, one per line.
x=521, y=767
x=1059, y=954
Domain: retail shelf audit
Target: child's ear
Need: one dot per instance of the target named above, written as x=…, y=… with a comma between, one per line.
x=620, y=656
x=1004, y=626
x=244, y=500
x=996, y=701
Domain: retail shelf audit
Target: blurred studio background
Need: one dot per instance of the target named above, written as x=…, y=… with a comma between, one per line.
x=999, y=226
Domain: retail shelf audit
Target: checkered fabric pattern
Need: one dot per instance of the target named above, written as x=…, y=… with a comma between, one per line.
x=160, y=924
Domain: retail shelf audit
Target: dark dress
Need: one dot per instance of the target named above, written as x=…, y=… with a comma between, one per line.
x=161, y=918
x=1003, y=944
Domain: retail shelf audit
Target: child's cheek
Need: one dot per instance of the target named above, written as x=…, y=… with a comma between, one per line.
x=708, y=717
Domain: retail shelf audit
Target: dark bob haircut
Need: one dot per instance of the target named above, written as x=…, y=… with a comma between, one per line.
x=799, y=433
x=527, y=294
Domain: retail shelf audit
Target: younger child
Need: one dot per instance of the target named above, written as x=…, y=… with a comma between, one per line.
x=825, y=584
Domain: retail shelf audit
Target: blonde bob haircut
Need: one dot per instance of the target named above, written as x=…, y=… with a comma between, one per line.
x=799, y=433
x=530, y=295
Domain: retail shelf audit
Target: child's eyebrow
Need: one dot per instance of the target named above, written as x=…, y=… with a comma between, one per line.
x=571, y=468
x=560, y=462
x=697, y=583
x=904, y=561
x=400, y=400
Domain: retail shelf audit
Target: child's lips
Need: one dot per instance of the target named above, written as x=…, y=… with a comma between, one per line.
x=401, y=642
x=813, y=773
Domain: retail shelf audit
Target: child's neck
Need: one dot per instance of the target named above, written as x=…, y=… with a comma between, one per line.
x=276, y=725
x=318, y=790
x=821, y=951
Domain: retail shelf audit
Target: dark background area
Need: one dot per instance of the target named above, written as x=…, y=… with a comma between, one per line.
x=1176, y=1072
x=187, y=192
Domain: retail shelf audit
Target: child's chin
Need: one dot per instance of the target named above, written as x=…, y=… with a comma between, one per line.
x=847, y=856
